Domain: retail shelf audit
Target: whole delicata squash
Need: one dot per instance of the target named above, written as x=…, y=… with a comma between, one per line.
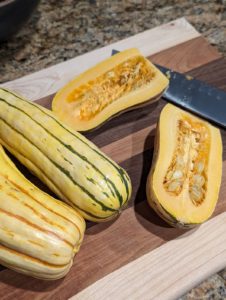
x=69, y=164
x=119, y=83
x=39, y=235
x=184, y=182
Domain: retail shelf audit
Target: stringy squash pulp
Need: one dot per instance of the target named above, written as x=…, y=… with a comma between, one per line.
x=121, y=82
x=184, y=182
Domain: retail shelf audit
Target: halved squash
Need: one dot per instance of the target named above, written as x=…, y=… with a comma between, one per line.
x=184, y=182
x=119, y=83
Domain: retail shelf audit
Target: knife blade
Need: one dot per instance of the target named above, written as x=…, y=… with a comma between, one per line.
x=194, y=96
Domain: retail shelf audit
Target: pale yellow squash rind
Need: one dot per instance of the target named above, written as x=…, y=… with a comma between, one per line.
x=180, y=210
x=64, y=109
x=39, y=235
x=69, y=164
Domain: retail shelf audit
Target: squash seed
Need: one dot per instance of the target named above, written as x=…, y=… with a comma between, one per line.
x=199, y=180
x=174, y=186
x=186, y=162
x=177, y=174
x=196, y=194
x=200, y=167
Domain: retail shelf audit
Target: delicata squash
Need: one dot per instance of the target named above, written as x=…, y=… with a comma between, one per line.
x=119, y=83
x=184, y=182
x=70, y=165
x=39, y=235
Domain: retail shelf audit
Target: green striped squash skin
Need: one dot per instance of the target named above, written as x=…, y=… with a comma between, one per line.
x=70, y=165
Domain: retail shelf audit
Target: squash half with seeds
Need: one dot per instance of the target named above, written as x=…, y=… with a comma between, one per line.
x=39, y=235
x=184, y=182
x=119, y=83
x=70, y=165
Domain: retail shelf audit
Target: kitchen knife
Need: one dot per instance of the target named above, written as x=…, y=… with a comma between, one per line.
x=195, y=96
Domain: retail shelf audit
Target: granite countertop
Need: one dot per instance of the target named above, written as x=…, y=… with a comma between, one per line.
x=60, y=30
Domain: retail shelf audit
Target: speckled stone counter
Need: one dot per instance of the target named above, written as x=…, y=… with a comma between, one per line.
x=60, y=30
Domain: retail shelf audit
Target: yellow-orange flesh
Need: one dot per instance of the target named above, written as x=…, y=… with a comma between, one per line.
x=190, y=160
x=119, y=83
x=93, y=96
x=184, y=182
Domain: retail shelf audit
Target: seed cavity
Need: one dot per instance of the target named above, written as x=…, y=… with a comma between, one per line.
x=92, y=97
x=190, y=160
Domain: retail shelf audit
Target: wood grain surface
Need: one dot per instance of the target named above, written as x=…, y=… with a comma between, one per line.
x=139, y=236
x=149, y=277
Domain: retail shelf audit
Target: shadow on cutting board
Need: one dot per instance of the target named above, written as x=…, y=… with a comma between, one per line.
x=35, y=180
x=120, y=126
x=27, y=283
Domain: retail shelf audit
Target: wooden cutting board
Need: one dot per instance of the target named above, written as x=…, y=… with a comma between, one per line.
x=136, y=256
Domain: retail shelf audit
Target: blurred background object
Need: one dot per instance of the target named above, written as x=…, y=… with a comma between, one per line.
x=14, y=14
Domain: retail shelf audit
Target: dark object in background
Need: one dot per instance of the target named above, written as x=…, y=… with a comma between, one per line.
x=13, y=14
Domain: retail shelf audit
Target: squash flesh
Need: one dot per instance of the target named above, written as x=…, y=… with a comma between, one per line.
x=95, y=95
x=190, y=160
x=187, y=192
x=125, y=80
